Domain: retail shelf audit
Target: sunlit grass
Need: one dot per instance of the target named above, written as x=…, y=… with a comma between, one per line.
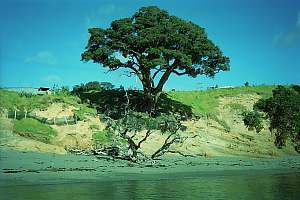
x=206, y=102
x=33, y=129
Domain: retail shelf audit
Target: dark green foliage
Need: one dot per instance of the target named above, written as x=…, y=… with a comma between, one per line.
x=64, y=89
x=253, y=120
x=134, y=122
x=92, y=86
x=112, y=103
x=107, y=85
x=283, y=111
x=152, y=42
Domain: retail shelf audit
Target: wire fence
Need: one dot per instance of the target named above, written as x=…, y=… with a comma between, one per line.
x=15, y=114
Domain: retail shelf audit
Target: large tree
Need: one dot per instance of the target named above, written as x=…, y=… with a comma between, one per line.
x=152, y=45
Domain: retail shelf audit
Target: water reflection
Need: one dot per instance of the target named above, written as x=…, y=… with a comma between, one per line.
x=266, y=186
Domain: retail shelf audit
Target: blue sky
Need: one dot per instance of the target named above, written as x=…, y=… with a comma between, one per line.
x=41, y=40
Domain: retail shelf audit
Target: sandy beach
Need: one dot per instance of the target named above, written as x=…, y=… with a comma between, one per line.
x=29, y=168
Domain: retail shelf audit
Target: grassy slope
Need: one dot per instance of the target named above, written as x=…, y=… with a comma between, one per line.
x=34, y=129
x=221, y=134
x=206, y=102
x=12, y=100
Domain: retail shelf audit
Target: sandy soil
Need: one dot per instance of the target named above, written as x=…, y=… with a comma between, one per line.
x=78, y=135
x=38, y=168
x=207, y=137
x=204, y=136
x=56, y=110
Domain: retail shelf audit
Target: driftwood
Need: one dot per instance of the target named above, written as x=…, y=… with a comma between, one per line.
x=180, y=153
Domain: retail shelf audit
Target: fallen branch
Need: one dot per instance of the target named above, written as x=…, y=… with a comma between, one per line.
x=180, y=153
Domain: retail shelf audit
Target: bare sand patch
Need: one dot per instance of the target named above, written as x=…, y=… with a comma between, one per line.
x=56, y=110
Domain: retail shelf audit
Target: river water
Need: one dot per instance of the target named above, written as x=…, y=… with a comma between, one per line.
x=189, y=186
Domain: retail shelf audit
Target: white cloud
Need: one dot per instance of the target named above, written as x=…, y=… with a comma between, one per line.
x=289, y=38
x=43, y=57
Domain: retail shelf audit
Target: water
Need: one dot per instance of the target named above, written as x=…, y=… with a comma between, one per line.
x=237, y=186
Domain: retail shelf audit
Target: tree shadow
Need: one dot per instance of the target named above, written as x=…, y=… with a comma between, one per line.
x=114, y=103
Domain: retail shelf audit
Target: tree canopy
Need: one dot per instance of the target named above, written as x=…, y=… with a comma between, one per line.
x=152, y=45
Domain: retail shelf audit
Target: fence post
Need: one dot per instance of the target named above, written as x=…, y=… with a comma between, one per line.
x=66, y=120
x=25, y=114
x=54, y=120
x=15, y=114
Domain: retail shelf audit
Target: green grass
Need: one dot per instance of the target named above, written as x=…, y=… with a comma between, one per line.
x=236, y=107
x=206, y=102
x=33, y=129
x=202, y=102
x=84, y=110
x=11, y=100
x=102, y=137
x=94, y=127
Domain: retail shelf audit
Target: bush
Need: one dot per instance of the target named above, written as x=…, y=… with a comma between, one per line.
x=283, y=111
x=92, y=86
x=253, y=120
x=34, y=129
x=102, y=137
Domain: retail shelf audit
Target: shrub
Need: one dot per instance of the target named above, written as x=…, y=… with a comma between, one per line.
x=92, y=86
x=103, y=137
x=253, y=120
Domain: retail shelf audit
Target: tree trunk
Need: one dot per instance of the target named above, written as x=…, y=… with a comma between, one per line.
x=151, y=92
x=151, y=99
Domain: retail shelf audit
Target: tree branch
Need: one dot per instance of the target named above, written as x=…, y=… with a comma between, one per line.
x=148, y=133
x=155, y=73
x=165, y=147
x=163, y=80
x=179, y=73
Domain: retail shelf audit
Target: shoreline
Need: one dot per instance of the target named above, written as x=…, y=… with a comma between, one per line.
x=31, y=168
